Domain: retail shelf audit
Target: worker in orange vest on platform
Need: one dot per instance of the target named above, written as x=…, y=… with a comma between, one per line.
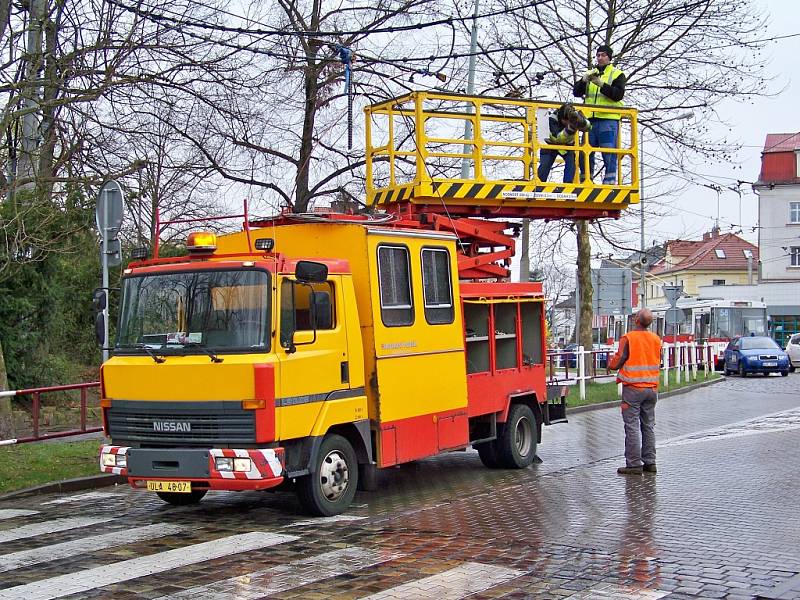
x=638, y=360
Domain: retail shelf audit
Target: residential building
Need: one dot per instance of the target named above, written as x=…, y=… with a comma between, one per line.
x=778, y=189
x=718, y=259
x=562, y=321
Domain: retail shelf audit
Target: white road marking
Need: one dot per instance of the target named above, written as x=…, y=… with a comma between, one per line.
x=610, y=591
x=324, y=520
x=288, y=576
x=83, y=498
x=787, y=420
x=91, y=579
x=453, y=584
x=10, y=513
x=54, y=526
x=26, y=558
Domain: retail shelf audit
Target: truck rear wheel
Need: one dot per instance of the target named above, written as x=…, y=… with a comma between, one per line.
x=488, y=454
x=182, y=499
x=331, y=486
x=516, y=444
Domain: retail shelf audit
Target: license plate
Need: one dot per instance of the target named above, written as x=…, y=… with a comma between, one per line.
x=176, y=487
x=770, y=364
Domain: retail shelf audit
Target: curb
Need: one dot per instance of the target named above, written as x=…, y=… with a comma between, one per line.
x=661, y=396
x=68, y=485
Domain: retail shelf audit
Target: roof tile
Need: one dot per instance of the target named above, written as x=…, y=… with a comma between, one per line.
x=704, y=256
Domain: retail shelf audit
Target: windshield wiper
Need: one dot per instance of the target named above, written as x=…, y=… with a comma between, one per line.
x=204, y=350
x=149, y=351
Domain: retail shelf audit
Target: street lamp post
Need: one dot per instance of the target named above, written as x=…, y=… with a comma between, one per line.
x=642, y=258
x=473, y=47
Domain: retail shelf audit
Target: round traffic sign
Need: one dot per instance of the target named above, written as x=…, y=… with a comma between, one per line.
x=108, y=214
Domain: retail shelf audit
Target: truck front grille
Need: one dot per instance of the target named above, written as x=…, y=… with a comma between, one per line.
x=213, y=423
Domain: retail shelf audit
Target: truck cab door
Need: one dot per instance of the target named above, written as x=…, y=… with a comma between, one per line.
x=313, y=352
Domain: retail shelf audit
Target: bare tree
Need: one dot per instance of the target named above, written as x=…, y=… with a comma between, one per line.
x=677, y=56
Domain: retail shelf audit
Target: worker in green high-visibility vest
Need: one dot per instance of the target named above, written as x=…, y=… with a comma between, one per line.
x=603, y=87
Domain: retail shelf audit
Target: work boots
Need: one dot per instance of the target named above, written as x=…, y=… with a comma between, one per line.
x=630, y=470
x=637, y=470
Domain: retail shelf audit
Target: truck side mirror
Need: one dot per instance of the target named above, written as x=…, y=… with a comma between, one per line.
x=100, y=328
x=99, y=300
x=308, y=271
x=99, y=304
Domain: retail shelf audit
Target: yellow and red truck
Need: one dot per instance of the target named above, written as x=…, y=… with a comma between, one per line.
x=318, y=348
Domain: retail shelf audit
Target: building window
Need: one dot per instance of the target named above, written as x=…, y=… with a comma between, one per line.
x=794, y=256
x=437, y=290
x=794, y=212
x=394, y=276
x=747, y=253
x=717, y=282
x=719, y=252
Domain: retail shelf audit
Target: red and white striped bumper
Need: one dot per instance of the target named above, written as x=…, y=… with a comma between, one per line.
x=120, y=451
x=266, y=469
x=264, y=464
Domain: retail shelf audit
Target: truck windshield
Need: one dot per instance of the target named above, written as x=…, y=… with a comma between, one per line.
x=183, y=312
x=730, y=322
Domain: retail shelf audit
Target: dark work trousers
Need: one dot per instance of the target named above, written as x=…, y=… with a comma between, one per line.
x=639, y=416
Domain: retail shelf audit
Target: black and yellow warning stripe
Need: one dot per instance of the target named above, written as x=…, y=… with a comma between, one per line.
x=497, y=191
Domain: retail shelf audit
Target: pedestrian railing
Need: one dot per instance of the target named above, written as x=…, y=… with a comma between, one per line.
x=37, y=427
x=573, y=366
x=688, y=361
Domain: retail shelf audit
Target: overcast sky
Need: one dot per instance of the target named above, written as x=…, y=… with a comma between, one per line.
x=696, y=209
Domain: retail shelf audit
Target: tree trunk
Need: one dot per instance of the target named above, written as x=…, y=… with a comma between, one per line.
x=584, y=337
x=29, y=146
x=6, y=418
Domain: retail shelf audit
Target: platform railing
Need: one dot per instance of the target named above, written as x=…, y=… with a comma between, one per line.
x=418, y=140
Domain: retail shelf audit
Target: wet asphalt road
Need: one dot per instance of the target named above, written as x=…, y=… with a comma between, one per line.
x=721, y=519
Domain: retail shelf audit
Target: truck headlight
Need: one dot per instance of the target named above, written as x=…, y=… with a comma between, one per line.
x=115, y=460
x=241, y=464
x=223, y=463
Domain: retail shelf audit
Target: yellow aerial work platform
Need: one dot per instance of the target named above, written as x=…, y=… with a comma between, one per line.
x=418, y=144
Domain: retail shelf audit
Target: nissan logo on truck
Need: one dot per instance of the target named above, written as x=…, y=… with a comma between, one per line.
x=172, y=426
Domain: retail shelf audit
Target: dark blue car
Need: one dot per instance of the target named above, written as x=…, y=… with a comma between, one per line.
x=755, y=354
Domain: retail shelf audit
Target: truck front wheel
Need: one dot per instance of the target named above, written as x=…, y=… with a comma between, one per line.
x=516, y=445
x=182, y=499
x=331, y=486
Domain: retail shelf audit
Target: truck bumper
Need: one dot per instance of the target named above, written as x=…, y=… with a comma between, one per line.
x=197, y=465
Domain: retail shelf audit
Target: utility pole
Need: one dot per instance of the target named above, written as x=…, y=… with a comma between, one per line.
x=525, y=256
x=473, y=47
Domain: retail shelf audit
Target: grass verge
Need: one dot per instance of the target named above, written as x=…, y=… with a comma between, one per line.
x=597, y=393
x=27, y=465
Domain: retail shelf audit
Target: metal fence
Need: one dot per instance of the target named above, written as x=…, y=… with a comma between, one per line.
x=36, y=405
x=687, y=360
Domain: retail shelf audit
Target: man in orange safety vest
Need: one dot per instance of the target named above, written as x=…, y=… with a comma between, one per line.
x=638, y=360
